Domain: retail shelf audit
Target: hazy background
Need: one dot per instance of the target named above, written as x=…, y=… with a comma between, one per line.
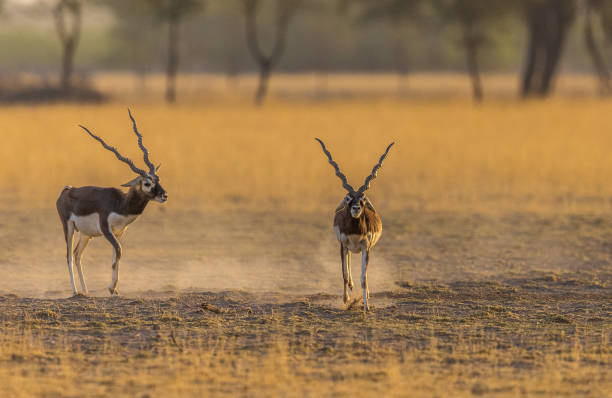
x=40, y=39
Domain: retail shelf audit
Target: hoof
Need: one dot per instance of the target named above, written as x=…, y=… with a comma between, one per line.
x=347, y=298
x=113, y=292
x=353, y=304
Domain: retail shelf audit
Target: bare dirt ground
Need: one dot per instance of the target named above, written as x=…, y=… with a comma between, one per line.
x=547, y=335
x=297, y=253
x=465, y=304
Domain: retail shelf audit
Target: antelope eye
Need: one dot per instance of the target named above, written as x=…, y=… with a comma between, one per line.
x=147, y=184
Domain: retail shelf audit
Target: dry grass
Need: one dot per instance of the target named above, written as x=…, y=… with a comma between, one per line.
x=536, y=156
x=492, y=278
x=528, y=337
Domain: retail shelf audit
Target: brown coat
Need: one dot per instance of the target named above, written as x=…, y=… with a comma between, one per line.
x=369, y=222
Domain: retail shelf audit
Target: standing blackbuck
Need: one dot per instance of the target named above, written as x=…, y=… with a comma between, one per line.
x=95, y=211
x=357, y=226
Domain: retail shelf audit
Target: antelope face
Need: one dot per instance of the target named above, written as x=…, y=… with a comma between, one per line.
x=356, y=203
x=153, y=189
x=150, y=186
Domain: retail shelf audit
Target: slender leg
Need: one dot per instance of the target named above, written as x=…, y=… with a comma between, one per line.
x=78, y=253
x=350, y=272
x=112, y=288
x=366, y=277
x=344, y=258
x=365, y=257
x=69, y=241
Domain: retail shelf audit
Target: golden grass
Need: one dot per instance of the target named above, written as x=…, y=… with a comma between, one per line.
x=34, y=369
x=505, y=155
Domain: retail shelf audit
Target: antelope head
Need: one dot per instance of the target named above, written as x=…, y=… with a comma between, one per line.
x=147, y=182
x=355, y=200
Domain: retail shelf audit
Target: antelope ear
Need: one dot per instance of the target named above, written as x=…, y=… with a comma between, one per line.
x=135, y=181
x=157, y=168
x=342, y=205
x=369, y=205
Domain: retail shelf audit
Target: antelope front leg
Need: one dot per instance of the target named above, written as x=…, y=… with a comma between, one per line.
x=112, y=288
x=350, y=272
x=69, y=258
x=78, y=254
x=345, y=272
x=365, y=258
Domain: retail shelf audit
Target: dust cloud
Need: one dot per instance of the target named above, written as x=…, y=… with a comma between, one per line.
x=297, y=254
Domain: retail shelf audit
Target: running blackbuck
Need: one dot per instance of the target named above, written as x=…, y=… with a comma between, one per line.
x=357, y=226
x=95, y=211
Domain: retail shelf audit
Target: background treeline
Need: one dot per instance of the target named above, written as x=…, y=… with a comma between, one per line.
x=535, y=38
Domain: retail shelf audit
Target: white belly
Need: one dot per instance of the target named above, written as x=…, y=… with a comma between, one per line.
x=352, y=242
x=119, y=223
x=87, y=225
x=90, y=224
x=356, y=243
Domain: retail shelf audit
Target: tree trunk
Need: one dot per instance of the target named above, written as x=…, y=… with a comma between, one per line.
x=67, y=66
x=557, y=31
x=264, y=77
x=67, y=15
x=532, y=56
x=399, y=60
x=472, y=64
x=173, y=59
x=267, y=62
x=596, y=57
x=548, y=23
x=140, y=75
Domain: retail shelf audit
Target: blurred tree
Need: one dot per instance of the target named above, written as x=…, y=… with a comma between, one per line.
x=605, y=10
x=136, y=40
x=548, y=24
x=172, y=12
x=285, y=10
x=398, y=12
x=475, y=19
x=400, y=57
x=67, y=14
x=594, y=8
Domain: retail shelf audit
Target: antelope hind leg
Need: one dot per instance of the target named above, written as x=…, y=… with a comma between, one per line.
x=69, y=257
x=78, y=255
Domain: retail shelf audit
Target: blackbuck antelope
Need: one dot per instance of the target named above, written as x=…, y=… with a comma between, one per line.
x=95, y=211
x=357, y=226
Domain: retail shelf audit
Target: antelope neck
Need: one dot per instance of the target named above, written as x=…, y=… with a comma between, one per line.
x=134, y=202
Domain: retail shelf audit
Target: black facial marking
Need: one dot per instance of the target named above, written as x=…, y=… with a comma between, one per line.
x=356, y=200
x=158, y=190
